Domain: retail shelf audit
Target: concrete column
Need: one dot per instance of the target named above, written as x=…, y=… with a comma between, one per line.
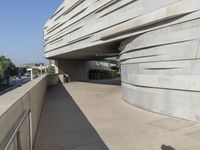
x=56, y=67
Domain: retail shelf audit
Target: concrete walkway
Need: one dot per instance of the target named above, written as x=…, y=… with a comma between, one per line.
x=94, y=117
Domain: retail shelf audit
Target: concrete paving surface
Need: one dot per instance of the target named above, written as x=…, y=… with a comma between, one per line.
x=92, y=116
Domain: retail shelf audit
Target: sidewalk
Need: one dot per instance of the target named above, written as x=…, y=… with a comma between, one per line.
x=89, y=116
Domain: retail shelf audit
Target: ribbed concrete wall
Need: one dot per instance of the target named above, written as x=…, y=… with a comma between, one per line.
x=161, y=67
x=85, y=24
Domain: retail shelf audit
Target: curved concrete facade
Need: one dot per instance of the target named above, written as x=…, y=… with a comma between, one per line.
x=161, y=67
x=158, y=42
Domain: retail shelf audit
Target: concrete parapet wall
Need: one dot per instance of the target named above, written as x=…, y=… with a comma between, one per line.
x=161, y=67
x=13, y=104
x=53, y=79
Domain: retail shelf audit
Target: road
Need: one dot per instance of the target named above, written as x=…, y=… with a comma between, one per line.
x=16, y=83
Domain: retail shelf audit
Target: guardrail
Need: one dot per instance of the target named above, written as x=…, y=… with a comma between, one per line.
x=16, y=132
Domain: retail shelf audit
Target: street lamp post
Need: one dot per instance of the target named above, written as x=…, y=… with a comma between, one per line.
x=31, y=71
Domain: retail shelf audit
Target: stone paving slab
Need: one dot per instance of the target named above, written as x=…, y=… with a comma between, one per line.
x=170, y=124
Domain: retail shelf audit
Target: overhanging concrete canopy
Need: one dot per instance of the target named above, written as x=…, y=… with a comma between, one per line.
x=81, y=24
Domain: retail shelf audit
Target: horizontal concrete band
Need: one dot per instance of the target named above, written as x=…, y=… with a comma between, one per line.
x=176, y=103
x=13, y=104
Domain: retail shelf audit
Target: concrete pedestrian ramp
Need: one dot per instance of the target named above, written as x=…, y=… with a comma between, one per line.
x=92, y=116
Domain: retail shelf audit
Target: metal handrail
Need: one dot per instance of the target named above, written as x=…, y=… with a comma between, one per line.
x=9, y=140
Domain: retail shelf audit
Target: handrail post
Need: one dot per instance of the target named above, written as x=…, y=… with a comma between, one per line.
x=30, y=131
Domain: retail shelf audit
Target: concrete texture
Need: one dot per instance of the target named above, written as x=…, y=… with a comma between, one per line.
x=82, y=29
x=158, y=42
x=64, y=126
x=160, y=68
x=93, y=116
x=13, y=104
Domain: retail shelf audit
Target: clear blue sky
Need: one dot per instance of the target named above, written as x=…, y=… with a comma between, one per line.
x=21, y=28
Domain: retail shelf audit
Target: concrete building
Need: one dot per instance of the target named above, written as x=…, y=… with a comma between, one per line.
x=157, y=40
x=158, y=45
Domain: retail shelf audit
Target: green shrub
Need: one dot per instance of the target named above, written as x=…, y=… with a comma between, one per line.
x=51, y=70
x=96, y=74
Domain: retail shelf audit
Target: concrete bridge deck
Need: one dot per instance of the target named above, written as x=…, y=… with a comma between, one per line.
x=90, y=116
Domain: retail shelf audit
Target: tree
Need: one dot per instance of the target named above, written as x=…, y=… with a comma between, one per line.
x=22, y=71
x=51, y=70
x=1, y=74
x=36, y=71
x=7, y=69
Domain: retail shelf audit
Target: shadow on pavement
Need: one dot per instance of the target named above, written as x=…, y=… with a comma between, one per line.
x=166, y=147
x=116, y=81
x=64, y=126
